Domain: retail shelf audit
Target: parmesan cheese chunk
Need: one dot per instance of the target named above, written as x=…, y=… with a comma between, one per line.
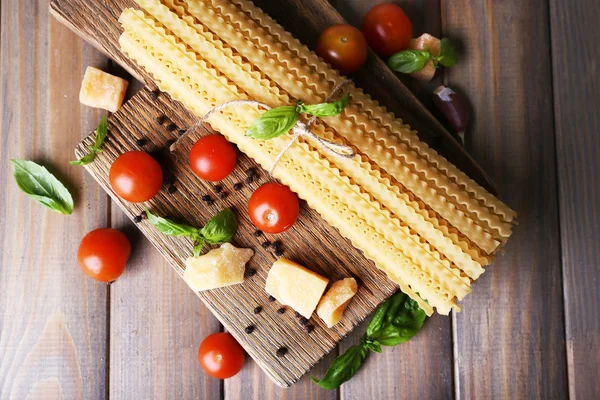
x=102, y=90
x=295, y=286
x=334, y=303
x=219, y=267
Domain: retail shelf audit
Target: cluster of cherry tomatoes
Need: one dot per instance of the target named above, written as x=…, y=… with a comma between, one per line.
x=385, y=28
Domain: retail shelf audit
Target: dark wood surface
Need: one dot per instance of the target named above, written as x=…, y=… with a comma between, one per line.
x=507, y=342
x=576, y=83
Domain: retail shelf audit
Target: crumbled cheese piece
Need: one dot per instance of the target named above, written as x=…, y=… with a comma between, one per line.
x=426, y=42
x=334, y=303
x=295, y=286
x=219, y=267
x=102, y=90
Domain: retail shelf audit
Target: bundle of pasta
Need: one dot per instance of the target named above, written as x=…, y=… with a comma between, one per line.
x=421, y=220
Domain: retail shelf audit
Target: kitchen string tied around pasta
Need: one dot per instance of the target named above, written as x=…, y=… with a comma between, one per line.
x=300, y=129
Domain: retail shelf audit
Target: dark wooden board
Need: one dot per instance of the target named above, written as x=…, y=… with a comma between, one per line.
x=309, y=242
x=96, y=22
x=510, y=335
x=577, y=119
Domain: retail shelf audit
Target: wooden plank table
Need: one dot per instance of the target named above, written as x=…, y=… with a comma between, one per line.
x=530, y=329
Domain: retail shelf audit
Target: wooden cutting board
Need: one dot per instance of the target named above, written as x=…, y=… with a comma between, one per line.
x=311, y=241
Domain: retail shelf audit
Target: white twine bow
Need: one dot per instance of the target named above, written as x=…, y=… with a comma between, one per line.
x=300, y=129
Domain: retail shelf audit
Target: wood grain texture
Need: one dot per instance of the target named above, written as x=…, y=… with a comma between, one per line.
x=510, y=336
x=96, y=22
x=334, y=257
x=52, y=317
x=156, y=326
x=421, y=368
x=576, y=71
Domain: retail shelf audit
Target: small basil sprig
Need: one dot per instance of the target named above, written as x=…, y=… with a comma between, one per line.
x=279, y=120
x=409, y=61
x=101, y=133
x=42, y=186
x=219, y=229
x=395, y=321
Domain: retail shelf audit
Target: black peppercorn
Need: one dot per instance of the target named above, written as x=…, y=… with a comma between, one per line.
x=257, y=309
x=251, y=172
x=154, y=94
x=237, y=186
x=182, y=131
x=210, y=202
x=141, y=142
x=144, y=215
x=161, y=119
x=257, y=233
x=282, y=351
x=172, y=189
x=137, y=219
x=278, y=252
x=281, y=310
x=277, y=244
x=206, y=198
x=271, y=298
x=249, y=329
x=297, y=314
x=171, y=127
x=218, y=188
x=303, y=321
x=170, y=142
x=309, y=328
x=266, y=244
x=223, y=195
x=251, y=272
x=249, y=180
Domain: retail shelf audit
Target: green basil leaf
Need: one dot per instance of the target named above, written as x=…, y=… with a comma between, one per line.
x=343, y=368
x=168, y=227
x=221, y=228
x=42, y=186
x=274, y=122
x=101, y=133
x=372, y=345
x=198, y=245
x=85, y=160
x=406, y=323
x=448, y=56
x=324, y=109
x=377, y=319
x=409, y=61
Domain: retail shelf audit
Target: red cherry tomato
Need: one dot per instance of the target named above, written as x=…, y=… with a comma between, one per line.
x=387, y=29
x=103, y=254
x=344, y=47
x=221, y=356
x=273, y=208
x=135, y=176
x=212, y=158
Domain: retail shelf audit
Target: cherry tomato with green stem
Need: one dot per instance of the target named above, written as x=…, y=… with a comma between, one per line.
x=103, y=254
x=221, y=356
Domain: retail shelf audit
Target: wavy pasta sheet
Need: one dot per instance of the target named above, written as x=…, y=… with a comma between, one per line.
x=257, y=50
x=374, y=110
x=419, y=224
x=387, y=256
x=259, y=88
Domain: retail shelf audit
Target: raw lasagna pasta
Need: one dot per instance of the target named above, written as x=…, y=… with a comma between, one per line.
x=420, y=219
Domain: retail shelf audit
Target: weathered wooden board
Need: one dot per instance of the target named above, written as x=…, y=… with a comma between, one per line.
x=576, y=72
x=53, y=336
x=509, y=337
x=98, y=24
x=310, y=242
